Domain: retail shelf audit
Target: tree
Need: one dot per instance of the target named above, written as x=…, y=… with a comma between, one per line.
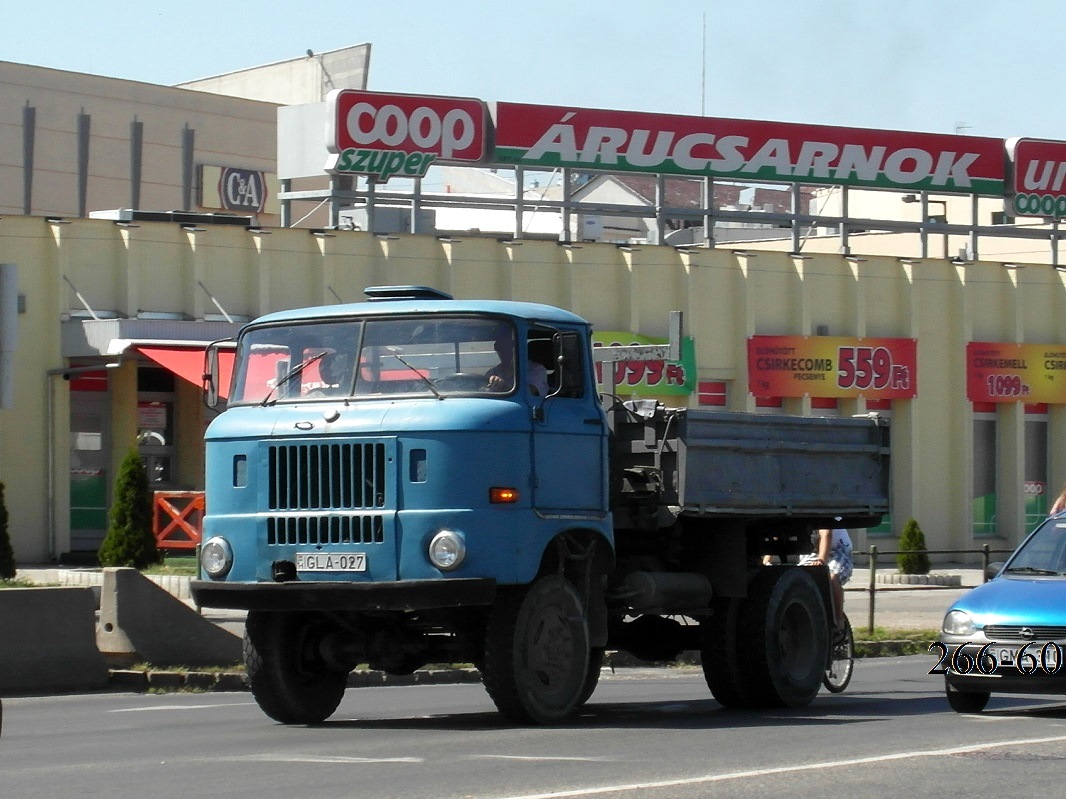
x=912, y=559
x=129, y=540
x=7, y=555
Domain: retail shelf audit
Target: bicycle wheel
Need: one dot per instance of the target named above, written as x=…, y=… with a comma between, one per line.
x=841, y=660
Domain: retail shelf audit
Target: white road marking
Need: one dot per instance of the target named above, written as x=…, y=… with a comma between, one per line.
x=177, y=707
x=335, y=759
x=539, y=758
x=739, y=775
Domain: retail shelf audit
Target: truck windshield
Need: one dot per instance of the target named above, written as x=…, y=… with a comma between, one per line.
x=426, y=356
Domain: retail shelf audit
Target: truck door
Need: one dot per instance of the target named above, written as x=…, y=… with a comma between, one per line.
x=569, y=432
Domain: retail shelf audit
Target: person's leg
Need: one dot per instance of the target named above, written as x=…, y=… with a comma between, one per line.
x=838, y=601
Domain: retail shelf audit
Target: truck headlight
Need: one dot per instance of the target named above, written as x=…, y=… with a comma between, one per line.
x=957, y=622
x=216, y=557
x=447, y=550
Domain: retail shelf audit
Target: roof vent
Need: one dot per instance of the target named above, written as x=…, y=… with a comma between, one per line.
x=378, y=293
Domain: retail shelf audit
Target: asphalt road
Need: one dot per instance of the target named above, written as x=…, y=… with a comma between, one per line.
x=645, y=733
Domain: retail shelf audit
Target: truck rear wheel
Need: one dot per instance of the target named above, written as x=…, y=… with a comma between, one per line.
x=288, y=677
x=720, y=653
x=785, y=618
x=537, y=652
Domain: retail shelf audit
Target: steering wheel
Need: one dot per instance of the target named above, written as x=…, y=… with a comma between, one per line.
x=460, y=381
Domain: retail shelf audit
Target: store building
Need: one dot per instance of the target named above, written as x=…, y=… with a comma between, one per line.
x=112, y=314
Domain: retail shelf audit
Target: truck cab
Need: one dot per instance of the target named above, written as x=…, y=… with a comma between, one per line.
x=398, y=463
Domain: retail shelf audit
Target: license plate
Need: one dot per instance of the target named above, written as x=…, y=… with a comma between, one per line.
x=331, y=561
x=1038, y=655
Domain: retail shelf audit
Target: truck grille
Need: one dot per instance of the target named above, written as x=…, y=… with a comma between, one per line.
x=327, y=477
x=288, y=530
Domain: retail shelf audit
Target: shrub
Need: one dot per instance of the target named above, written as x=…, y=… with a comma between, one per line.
x=129, y=540
x=7, y=555
x=912, y=558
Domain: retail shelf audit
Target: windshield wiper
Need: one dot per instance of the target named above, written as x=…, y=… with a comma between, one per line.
x=1031, y=570
x=289, y=375
x=395, y=353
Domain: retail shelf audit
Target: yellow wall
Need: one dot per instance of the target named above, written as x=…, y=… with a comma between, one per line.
x=726, y=297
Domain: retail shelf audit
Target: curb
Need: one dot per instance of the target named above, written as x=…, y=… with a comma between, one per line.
x=143, y=681
x=944, y=580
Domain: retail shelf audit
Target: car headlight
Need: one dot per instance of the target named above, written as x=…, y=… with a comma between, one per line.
x=447, y=550
x=216, y=557
x=958, y=622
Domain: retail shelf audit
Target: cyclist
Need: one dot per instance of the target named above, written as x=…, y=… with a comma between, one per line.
x=833, y=549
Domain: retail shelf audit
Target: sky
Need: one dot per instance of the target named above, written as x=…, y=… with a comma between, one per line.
x=979, y=67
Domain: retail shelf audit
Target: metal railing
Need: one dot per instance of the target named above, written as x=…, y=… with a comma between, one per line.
x=985, y=552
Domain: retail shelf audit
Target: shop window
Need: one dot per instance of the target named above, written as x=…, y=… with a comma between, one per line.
x=151, y=379
x=711, y=393
x=884, y=411
x=984, y=475
x=155, y=439
x=768, y=404
x=825, y=406
x=1036, y=468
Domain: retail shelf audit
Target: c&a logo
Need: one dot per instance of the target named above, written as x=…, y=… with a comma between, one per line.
x=242, y=189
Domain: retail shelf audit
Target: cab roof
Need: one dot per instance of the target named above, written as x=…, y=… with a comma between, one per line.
x=407, y=300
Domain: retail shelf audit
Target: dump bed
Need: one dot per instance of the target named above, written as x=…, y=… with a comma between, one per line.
x=713, y=463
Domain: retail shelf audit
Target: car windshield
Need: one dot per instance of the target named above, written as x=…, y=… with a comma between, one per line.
x=426, y=356
x=1044, y=552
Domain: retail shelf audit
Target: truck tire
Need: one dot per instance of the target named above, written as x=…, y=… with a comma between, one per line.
x=592, y=676
x=721, y=654
x=785, y=622
x=286, y=673
x=537, y=652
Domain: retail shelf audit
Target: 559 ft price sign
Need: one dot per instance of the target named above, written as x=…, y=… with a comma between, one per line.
x=832, y=366
x=870, y=368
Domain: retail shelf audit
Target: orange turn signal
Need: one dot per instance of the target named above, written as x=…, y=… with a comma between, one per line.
x=499, y=494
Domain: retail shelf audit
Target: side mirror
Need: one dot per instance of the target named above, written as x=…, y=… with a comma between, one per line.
x=211, y=375
x=993, y=569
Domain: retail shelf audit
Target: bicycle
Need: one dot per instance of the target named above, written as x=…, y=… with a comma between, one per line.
x=841, y=659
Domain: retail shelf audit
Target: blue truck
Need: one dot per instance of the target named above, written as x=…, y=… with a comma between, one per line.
x=417, y=479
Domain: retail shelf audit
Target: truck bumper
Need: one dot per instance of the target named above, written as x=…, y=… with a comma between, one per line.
x=407, y=595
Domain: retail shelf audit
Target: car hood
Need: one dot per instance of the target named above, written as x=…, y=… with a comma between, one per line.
x=1016, y=600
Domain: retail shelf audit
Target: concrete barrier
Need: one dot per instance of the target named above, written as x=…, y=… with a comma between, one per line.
x=47, y=641
x=141, y=621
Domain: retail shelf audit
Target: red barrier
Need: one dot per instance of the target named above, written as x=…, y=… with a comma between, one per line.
x=178, y=518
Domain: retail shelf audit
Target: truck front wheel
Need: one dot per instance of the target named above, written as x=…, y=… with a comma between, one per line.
x=537, y=652
x=287, y=673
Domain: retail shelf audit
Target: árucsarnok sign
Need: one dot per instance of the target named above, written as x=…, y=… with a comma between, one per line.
x=629, y=141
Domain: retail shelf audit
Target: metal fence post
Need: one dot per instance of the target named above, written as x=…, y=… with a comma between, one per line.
x=873, y=588
x=984, y=563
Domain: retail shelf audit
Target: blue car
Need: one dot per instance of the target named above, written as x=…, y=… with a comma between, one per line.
x=1009, y=635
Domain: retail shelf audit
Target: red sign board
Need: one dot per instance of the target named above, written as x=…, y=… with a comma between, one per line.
x=833, y=366
x=1038, y=180
x=628, y=141
x=389, y=135
x=1030, y=373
